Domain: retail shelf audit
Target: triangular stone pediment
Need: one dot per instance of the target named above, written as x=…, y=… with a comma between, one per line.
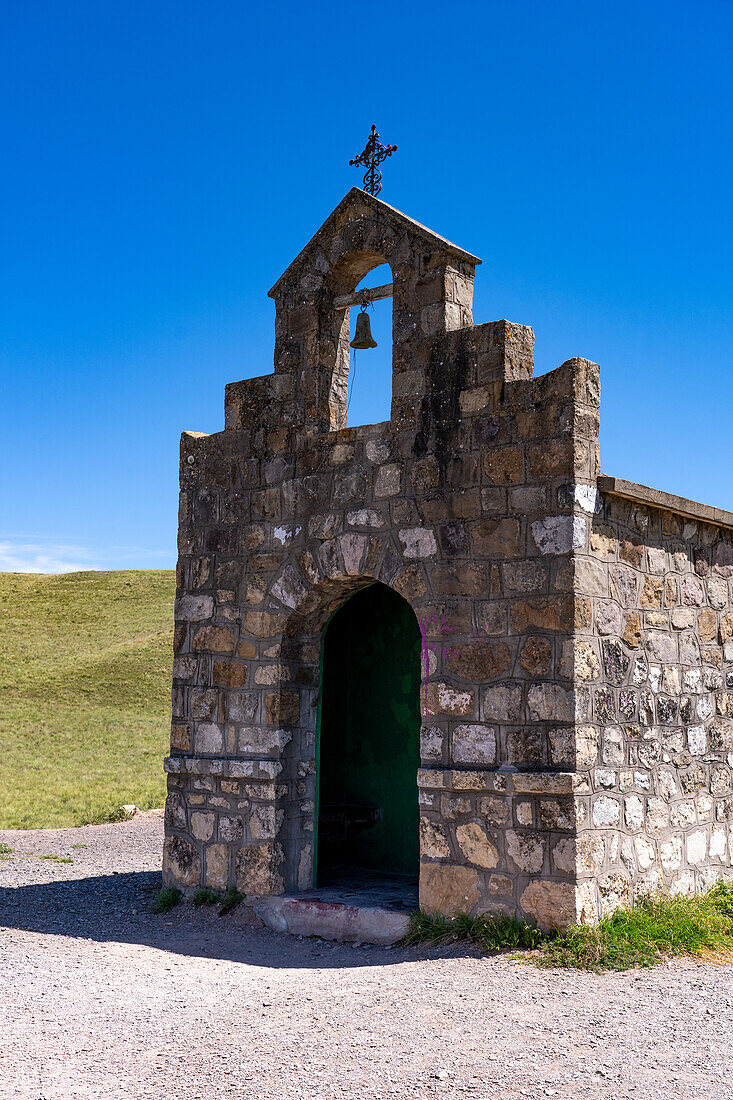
x=360, y=203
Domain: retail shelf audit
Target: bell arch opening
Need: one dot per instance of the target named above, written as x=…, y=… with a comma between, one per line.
x=361, y=388
x=369, y=390
x=368, y=740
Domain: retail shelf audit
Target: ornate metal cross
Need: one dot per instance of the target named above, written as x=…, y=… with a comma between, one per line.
x=374, y=153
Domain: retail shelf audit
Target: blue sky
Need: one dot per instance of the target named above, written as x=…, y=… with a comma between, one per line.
x=164, y=162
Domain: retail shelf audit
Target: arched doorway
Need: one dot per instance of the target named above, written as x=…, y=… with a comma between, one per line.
x=368, y=747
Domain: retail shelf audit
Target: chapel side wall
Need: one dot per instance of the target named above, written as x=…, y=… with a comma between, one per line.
x=654, y=668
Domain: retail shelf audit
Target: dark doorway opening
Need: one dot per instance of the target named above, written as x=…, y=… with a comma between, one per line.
x=369, y=739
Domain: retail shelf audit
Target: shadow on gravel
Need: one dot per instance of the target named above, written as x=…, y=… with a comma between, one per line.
x=117, y=908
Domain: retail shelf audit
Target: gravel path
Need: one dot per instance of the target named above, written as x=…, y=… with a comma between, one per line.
x=103, y=999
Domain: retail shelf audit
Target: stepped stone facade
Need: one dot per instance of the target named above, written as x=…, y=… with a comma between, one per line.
x=577, y=698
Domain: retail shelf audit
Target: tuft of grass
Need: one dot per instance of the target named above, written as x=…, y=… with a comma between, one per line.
x=721, y=897
x=166, y=899
x=490, y=932
x=79, y=845
x=230, y=901
x=57, y=859
x=205, y=896
x=85, y=666
x=6, y=852
x=656, y=928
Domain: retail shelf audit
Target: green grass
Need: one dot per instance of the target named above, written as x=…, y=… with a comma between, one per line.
x=655, y=929
x=58, y=859
x=85, y=665
x=230, y=901
x=205, y=896
x=489, y=932
x=166, y=899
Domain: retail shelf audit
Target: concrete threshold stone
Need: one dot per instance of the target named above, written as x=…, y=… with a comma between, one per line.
x=331, y=920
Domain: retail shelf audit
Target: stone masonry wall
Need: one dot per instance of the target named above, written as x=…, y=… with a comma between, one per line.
x=653, y=658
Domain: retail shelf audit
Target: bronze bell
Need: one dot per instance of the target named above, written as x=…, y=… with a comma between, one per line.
x=363, y=336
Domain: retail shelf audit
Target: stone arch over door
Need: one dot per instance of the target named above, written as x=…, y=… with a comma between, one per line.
x=301, y=655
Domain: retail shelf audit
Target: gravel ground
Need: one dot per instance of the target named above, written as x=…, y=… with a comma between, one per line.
x=101, y=998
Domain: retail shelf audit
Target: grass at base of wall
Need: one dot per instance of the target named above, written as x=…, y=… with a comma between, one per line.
x=655, y=929
x=85, y=673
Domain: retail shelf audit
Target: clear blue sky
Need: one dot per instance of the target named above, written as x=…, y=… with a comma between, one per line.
x=164, y=162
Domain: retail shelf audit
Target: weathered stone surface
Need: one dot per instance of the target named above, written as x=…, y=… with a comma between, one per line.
x=181, y=862
x=217, y=866
x=503, y=465
x=550, y=905
x=550, y=702
x=476, y=846
x=526, y=850
x=606, y=811
x=548, y=613
x=433, y=840
x=474, y=744
x=632, y=631
x=258, y=869
x=217, y=639
x=194, y=609
x=230, y=674
x=524, y=576
x=418, y=542
x=497, y=538
x=559, y=534
x=448, y=888
x=441, y=698
x=536, y=656
x=502, y=702
x=479, y=660
x=202, y=825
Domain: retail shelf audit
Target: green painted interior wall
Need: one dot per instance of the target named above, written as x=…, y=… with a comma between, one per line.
x=369, y=741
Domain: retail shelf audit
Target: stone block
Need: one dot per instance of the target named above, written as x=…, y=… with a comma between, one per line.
x=215, y=639
x=536, y=656
x=202, y=825
x=526, y=850
x=479, y=660
x=441, y=698
x=502, y=702
x=476, y=846
x=496, y=538
x=418, y=542
x=433, y=840
x=258, y=869
x=448, y=888
x=559, y=534
x=474, y=744
x=181, y=863
x=551, y=702
x=550, y=905
x=553, y=613
x=216, y=858
x=503, y=465
x=194, y=609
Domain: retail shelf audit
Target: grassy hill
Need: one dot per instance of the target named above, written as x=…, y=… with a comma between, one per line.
x=85, y=666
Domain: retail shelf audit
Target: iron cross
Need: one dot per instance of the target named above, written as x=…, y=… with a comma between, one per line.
x=374, y=153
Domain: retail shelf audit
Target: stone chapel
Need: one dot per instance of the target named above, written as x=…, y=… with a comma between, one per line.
x=443, y=648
